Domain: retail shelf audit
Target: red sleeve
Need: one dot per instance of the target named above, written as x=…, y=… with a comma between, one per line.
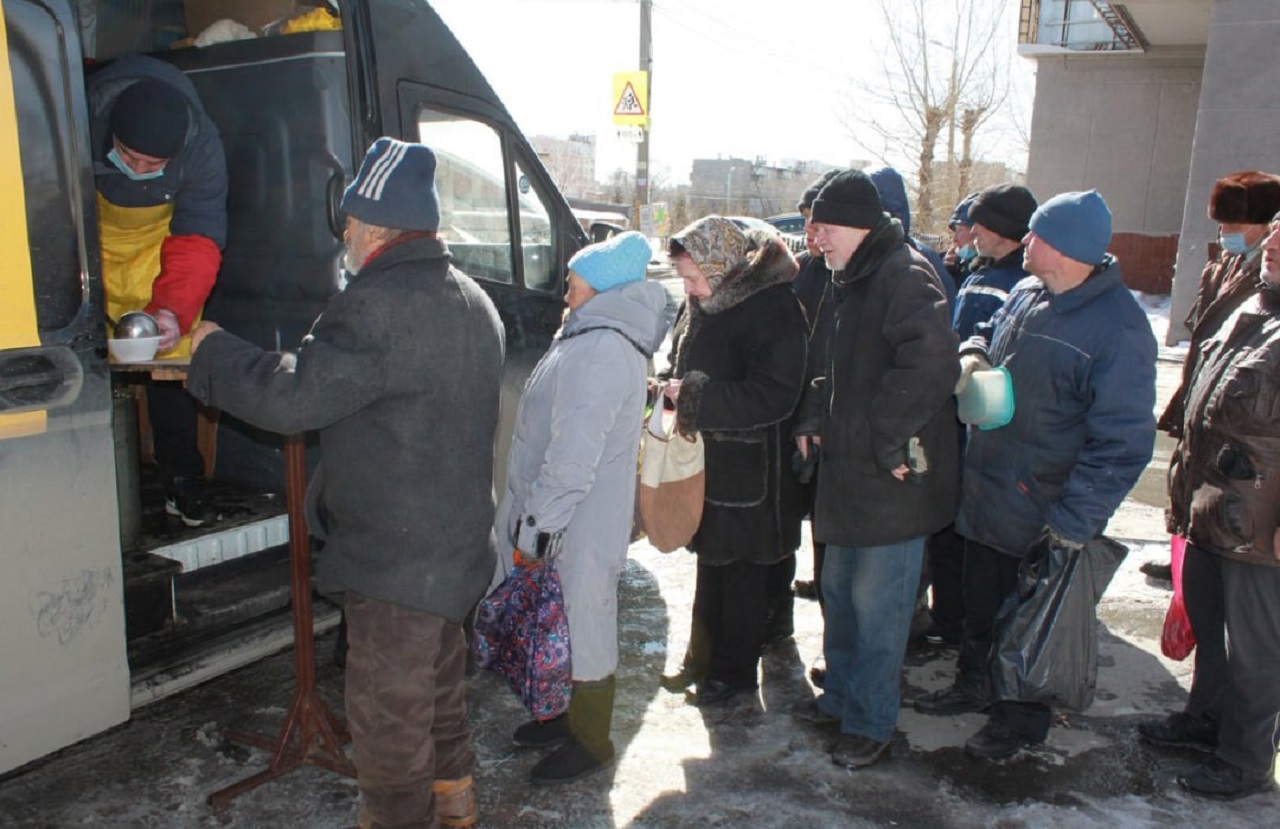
x=188, y=268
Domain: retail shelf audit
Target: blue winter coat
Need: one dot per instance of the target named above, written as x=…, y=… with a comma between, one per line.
x=1083, y=370
x=984, y=291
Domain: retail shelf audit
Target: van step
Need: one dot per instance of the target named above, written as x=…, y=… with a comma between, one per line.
x=220, y=546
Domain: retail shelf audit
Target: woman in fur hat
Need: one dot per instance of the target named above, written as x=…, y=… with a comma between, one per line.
x=737, y=370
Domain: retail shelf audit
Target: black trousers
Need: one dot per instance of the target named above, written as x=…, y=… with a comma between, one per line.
x=173, y=429
x=1234, y=609
x=944, y=554
x=989, y=576
x=730, y=607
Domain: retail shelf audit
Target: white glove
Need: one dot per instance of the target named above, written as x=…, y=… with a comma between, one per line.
x=170, y=331
x=969, y=363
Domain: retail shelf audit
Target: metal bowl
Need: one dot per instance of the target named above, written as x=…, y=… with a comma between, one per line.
x=136, y=325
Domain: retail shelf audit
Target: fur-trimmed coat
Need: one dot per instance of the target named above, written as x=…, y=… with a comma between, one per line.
x=740, y=356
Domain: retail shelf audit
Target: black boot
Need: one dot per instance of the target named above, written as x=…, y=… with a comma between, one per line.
x=589, y=748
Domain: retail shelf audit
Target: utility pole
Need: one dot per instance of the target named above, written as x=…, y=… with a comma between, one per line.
x=642, y=150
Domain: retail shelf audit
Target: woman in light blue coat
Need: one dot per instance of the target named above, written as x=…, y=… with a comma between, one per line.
x=571, y=477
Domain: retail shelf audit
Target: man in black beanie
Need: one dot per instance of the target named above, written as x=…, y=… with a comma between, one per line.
x=884, y=416
x=999, y=216
x=161, y=177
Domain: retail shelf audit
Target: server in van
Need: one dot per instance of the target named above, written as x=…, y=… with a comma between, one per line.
x=161, y=177
x=401, y=376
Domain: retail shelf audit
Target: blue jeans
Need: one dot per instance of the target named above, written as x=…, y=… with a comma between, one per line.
x=870, y=597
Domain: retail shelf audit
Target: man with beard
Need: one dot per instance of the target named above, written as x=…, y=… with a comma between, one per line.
x=401, y=378
x=885, y=417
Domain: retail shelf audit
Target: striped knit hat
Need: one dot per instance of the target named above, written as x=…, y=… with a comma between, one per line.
x=396, y=187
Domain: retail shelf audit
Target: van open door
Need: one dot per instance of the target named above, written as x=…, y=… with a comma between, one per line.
x=62, y=639
x=505, y=222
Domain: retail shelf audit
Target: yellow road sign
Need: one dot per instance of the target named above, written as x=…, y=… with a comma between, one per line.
x=631, y=99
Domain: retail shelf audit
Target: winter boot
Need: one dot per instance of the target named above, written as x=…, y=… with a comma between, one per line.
x=456, y=801
x=551, y=733
x=589, y=748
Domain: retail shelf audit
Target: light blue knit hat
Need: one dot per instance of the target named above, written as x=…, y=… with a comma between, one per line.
x=613, y=262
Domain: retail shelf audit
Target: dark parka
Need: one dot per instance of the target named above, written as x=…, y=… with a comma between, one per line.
x=740, y=354
x=401, y=376
x=1082, y=364
x=1224, y=477
x=890, y=374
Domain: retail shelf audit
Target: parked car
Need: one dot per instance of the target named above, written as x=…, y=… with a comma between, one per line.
x=788, y=223
x=791, y=226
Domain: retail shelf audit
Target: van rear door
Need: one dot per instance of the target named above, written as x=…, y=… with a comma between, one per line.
x=62, y=637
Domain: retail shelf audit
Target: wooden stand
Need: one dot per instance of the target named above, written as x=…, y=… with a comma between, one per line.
x=312, y=734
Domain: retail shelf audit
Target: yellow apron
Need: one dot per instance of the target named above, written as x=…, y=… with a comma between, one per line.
x=131, y=239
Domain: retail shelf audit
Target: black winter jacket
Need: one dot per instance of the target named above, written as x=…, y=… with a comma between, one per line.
x=401, y=376
x=890, y=375
x=740, y=355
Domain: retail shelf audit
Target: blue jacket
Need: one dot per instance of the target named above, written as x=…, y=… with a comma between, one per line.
x=1083, y=370
x=984, y=291
x=195, y=179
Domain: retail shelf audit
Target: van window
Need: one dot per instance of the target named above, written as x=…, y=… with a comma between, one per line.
x=474, y=220
x=535, y=235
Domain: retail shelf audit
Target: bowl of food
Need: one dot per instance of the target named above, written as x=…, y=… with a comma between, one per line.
x=133, y=349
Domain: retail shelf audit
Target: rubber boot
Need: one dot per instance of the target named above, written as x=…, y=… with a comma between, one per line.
x=589, y=748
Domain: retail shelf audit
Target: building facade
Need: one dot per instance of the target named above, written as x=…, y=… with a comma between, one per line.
x=1149, y=102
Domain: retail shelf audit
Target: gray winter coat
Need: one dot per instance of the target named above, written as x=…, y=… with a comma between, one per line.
x=401, y=376
x=571, y=472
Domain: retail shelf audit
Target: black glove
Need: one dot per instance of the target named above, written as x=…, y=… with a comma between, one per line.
x=806, y=467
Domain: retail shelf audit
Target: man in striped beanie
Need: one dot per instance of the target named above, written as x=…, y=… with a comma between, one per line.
x=401, y=377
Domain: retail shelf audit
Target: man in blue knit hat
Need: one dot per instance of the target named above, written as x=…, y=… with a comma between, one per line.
x=1081, y=358
x=401, y=377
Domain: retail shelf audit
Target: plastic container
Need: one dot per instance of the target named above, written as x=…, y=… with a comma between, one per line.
x=137, y=350
x=986, y=401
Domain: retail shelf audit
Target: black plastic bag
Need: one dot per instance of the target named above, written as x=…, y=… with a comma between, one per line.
x=1046, y=634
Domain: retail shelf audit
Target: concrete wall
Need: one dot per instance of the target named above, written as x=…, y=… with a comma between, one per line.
x=1237, y=129
x=1122, y=124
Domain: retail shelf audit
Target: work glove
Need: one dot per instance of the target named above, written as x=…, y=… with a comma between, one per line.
x=969, y=363
x=170, y=331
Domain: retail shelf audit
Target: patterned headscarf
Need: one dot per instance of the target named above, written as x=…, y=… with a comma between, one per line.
x=717, y=245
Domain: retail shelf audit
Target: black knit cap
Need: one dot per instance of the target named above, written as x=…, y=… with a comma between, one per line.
x=849, y=199
x=811, y=193
x=1004, y=209
x=150, y=117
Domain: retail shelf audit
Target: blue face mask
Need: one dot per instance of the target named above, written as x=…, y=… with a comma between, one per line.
x=115, y=159
x=1233, y=243
x=966, y=253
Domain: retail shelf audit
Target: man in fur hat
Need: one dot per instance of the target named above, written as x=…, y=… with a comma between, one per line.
x=1242, y=204
x=1224, y=496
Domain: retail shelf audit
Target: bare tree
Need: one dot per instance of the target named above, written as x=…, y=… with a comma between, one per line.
x=920, y=99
